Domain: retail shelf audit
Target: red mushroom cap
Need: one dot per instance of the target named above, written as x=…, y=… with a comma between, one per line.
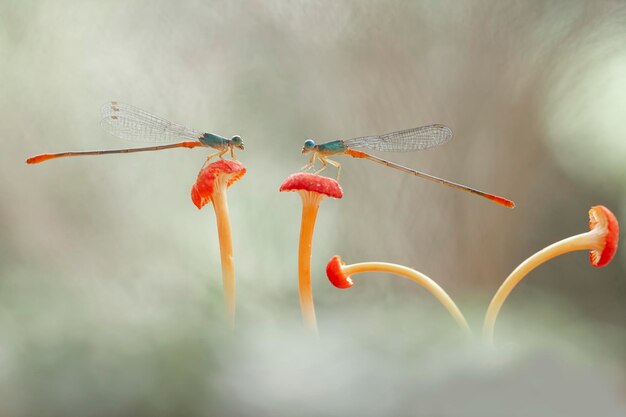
x=602, y=217
x=335, y=273
x=219, y=172
x=304, y=181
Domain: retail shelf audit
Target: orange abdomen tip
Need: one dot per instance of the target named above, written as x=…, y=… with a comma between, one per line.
x=501, y=200
x=39, y=158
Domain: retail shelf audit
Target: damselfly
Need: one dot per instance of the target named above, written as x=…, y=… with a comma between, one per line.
x=415, y=139
x=129, y=122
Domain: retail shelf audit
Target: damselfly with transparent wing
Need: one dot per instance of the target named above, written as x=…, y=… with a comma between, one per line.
x=129, y=122
x=415, y=139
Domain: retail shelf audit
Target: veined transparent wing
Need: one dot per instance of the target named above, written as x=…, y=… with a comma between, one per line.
x=129, y=122
x=407, y=140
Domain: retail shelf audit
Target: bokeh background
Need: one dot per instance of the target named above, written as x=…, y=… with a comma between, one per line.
x=110, y=284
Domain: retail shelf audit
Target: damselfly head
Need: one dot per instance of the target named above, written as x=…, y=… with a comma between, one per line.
x=309, y=144
x=237, y=142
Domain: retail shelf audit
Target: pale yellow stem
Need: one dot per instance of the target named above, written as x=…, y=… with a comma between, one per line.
x=415, y=276
x=583, y=241
x=220, y=205
x=310, y=205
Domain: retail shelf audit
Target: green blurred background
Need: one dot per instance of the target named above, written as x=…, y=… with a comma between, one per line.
x=110, y=284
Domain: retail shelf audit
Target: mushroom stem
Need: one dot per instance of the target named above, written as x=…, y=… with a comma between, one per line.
x=583, y=241
x=210, y=187
x=312, y=189
x=415, y=276
x=310, y=206
x=220, y=205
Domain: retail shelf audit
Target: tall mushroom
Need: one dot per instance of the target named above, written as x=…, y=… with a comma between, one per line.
x=312, y=189
x=210, y=186
x=601, y=240
x=340, y=275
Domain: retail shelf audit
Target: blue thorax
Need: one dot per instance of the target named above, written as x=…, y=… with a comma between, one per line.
x=214, y=141
x=329, y=148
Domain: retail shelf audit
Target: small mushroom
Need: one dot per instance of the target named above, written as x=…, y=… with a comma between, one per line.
x=210, y=186
x=340, y=275
x=601, y=240
x=312, y=189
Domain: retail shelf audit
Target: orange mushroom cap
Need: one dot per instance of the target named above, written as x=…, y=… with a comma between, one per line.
x=212, y=176
x=335, y=274
x=601, y=218
x=304, y=181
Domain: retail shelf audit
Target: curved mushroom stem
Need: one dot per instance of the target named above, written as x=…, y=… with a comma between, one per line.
x=415, y=276
x=310, y=206
x=220, y=205
x=583, y=241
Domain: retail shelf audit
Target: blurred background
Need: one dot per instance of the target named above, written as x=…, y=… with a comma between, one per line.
x=110, y=281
